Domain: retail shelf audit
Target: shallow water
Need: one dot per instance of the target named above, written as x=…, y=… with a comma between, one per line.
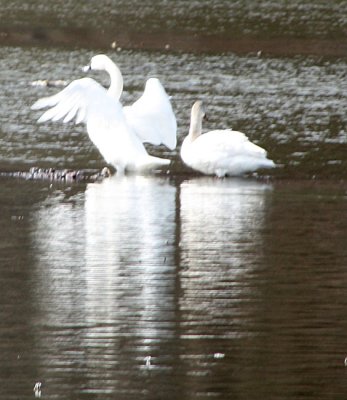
x=177, y=286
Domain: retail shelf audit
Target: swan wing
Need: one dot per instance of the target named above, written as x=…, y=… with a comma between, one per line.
x=224, y=152
x=220, y=147
x=75, y=101
x=87, y=101
x=230, y=144
x=151, y=116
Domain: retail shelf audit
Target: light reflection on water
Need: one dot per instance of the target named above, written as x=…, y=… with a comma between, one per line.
x=117, y=280
x=221, y=245
x=108, y=258
x=201, y=275
x=129, y=253
x=227, y=284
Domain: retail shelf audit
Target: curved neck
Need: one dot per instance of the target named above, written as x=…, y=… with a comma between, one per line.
x=116, y=86
x=195, y=128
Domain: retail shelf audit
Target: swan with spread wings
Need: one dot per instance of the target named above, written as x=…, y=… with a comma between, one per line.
x=118, y=132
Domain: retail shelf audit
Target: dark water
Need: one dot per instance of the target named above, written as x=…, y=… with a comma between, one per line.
x=264, y=17
x=229, y=286
x=281, y=27
x=177, y=286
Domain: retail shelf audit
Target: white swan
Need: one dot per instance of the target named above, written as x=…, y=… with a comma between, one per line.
x=117, y=132
x=220, y=152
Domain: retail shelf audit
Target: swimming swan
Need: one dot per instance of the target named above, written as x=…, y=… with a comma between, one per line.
x=220, y=152
x=118, y=132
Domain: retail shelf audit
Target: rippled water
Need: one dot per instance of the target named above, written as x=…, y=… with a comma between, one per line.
x=177, y=286
x=265, y=17
x=295, y=108
x=228, y=286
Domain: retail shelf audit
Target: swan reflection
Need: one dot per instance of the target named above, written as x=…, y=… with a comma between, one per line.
x=221, y=224
x=129, y=253
x=105, y=277
x=129, y=267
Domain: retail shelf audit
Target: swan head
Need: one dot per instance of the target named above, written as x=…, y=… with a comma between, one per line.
x=198, y=111
x=99, y=62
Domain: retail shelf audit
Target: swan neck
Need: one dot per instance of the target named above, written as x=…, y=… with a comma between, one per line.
x=116, y=86
x=195, y=128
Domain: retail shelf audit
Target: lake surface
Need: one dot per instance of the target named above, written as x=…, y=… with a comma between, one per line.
x=176, y=285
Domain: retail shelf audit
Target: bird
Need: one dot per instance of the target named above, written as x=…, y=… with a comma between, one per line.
x=222, y=152
x=118, y=132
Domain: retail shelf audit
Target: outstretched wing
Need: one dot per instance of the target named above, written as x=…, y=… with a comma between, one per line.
x=86, y=101
x=76, y=101
x=151, y=116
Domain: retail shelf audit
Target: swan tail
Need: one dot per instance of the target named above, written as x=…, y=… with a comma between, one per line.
x=151, y=162
x=160, y=161
x=267, y=163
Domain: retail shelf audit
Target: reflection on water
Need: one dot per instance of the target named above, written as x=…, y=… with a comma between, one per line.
x=117, y=280
x=109, y=280
x=226, y=284
x=129, y=258
x=221, y=244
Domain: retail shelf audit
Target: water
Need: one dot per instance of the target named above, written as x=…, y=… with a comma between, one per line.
x=177, y=286
x=228, y=286
x=295, y=108
x=149, y=21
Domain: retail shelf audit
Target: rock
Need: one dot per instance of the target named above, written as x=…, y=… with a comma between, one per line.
x=59, y=175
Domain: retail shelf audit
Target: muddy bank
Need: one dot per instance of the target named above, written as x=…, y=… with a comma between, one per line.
x=169, y=41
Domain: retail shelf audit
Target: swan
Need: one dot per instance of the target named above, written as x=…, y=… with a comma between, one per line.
x=220, y=152
x=118, y=132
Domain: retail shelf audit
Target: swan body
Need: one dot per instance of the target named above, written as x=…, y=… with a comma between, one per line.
x=220, y=152
x=117, y=132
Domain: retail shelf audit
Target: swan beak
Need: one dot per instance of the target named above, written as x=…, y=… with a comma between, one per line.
x=86, y=68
